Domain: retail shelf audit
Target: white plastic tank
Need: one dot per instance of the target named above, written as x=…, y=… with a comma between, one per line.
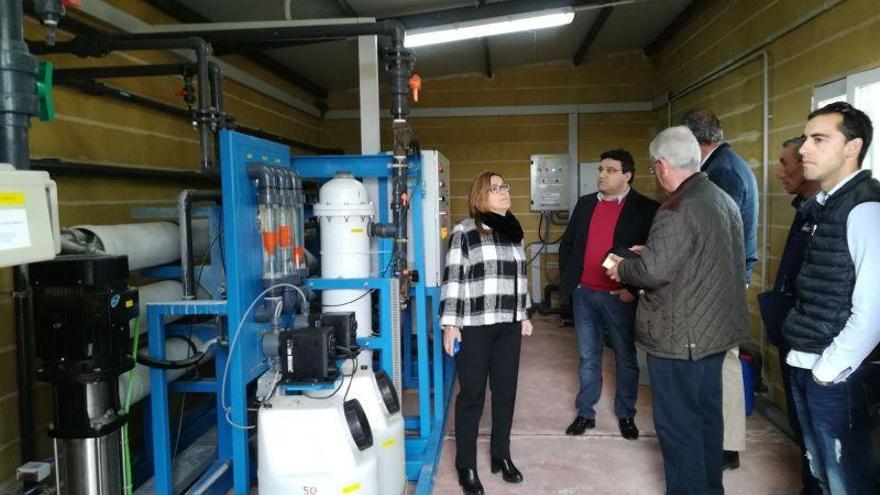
x=387, y=425
x=305, y=446
x=345, y=211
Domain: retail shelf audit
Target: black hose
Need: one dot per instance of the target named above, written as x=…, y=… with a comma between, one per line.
x=189, y=341
x=170, y=365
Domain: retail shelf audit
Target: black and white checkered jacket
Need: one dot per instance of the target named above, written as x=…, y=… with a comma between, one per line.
x=484, y=281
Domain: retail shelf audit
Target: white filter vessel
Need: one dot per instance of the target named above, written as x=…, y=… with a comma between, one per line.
x=306, y=447
x=344, y=210
x=388, y=431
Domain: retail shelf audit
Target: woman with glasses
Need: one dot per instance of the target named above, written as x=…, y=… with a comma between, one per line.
x=484, y=314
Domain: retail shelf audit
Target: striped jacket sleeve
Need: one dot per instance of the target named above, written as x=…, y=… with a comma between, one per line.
x=453, y=295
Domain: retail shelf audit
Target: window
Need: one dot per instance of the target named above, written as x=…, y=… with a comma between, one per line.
x=862, y=90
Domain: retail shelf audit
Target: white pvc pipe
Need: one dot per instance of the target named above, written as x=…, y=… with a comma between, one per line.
x=148, y=244
x=145, y=244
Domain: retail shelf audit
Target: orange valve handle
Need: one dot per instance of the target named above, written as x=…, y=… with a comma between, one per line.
x=415, y=84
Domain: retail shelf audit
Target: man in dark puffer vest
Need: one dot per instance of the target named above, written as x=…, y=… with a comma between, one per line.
x=834, y=327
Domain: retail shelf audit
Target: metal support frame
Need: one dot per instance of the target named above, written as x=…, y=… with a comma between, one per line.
x=432, y=381
x=160, y=422
x=232, y=466
x=245, y=362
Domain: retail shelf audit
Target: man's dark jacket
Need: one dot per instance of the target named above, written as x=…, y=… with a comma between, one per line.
x=776, y=303
x=732, y=174
x=691, y=270
x=632, y=229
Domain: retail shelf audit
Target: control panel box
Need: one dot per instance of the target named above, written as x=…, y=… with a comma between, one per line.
x=550, y=186
x=29, y=229
x=436, y=222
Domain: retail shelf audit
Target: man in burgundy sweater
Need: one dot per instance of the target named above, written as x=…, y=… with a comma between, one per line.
x=612, y=219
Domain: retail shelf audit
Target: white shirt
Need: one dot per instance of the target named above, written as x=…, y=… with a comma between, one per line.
x=862, y=330
x=619, y=198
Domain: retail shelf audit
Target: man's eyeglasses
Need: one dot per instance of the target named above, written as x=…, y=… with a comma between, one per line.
x=653, y=166
x=609, y=170
x=497, y=188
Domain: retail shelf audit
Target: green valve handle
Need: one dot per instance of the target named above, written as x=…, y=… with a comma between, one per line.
x=44, y=91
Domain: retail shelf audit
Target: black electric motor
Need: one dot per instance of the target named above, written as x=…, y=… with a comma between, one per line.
x=82, y=311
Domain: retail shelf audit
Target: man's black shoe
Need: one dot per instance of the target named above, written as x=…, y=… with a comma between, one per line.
x=628, y=428
x=731, y=460
x=509, y=472
x=580, y=425
x=470, y=482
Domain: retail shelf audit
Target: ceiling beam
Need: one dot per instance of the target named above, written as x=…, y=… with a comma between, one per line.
x=488, y=58
x=346, y=9
x=487, y=55
x=179, y=11
x=495, y=9
x=680, y=21
x=600, y=21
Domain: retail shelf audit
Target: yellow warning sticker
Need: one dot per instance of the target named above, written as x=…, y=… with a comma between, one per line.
x=12, y=198
x=357, y=230
x=444, y=233
x=387, y=443
x=351, y=488
x=129, y=303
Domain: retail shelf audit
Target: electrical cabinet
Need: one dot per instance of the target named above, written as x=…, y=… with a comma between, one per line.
x=435, y=216
x=550, y=183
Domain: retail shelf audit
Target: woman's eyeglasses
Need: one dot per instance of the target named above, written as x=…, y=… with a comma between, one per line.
x=497, y=188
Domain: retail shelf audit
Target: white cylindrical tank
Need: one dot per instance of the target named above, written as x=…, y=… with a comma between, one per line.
x=387, y=425
x=306, y=446
x=148, y=244
x=345, y=211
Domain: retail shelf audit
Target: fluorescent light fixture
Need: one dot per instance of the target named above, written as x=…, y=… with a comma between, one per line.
x=489, y=27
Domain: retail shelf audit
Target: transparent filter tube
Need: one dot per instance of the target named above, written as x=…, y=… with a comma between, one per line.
x=299, y=258
x=269, y=234
x=285, y=239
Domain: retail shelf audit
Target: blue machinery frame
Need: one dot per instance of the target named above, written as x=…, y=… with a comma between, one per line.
x=429, y=375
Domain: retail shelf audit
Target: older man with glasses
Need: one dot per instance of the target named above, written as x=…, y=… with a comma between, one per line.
x=693, y=310
x=612, y=219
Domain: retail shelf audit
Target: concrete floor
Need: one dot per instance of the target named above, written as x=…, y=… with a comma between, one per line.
x=600, y=462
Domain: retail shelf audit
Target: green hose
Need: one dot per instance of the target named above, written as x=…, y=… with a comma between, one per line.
x=126, y=448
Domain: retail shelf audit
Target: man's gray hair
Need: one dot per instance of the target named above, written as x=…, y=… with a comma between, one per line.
x=704, y=124
x=678, y=146
x=797, y=142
